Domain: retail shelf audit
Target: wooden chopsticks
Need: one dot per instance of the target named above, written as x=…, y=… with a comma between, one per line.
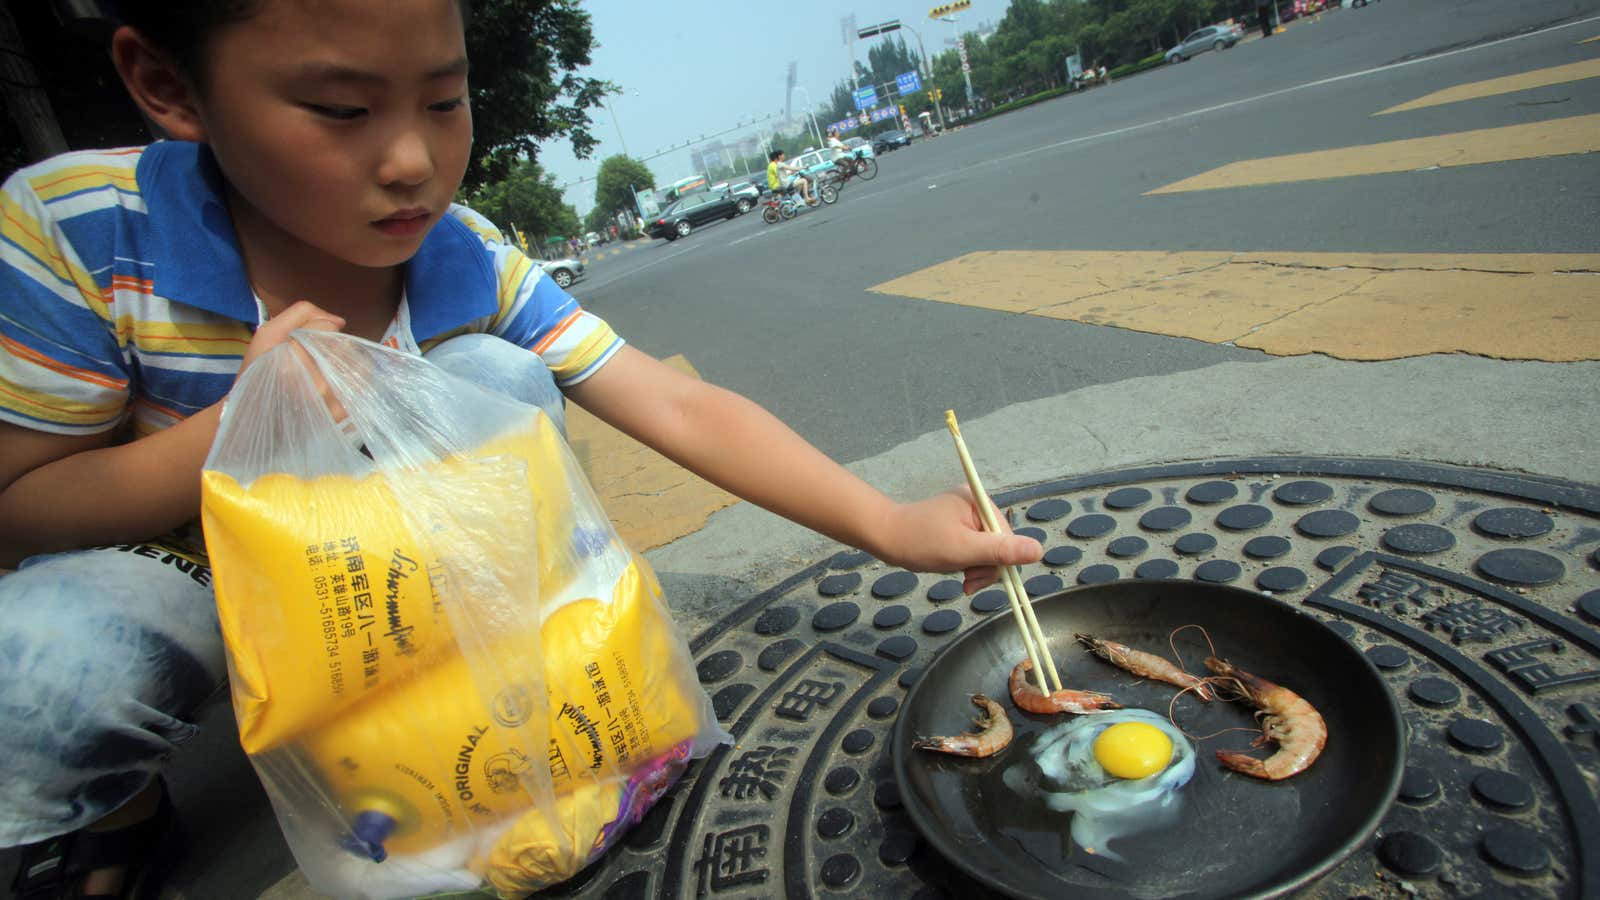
x=1033, y=638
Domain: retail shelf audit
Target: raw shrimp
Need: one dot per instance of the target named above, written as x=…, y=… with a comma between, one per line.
x=1146, y=665
x=991, y=732
x=1029, y=698
x=1286, y=718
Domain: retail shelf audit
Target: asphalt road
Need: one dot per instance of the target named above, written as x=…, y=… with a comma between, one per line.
x=783, y=313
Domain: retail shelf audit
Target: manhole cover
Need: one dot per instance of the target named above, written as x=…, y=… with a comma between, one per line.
x=1474, y=593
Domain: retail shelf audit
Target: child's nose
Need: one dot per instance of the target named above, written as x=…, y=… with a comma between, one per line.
x=408, y=158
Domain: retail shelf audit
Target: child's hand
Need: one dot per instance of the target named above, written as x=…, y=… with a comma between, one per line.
x=277, y=329
x=944, y=534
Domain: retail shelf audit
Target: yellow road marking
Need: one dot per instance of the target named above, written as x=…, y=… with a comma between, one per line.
x=1364, y=306
x=1556, y=137
x=1590, y=40
x=1578, y=71
x=651, y=500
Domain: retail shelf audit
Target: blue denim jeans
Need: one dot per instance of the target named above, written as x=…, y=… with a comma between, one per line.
x=106, y=654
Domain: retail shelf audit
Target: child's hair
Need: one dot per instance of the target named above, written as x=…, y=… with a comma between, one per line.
x=773, y=156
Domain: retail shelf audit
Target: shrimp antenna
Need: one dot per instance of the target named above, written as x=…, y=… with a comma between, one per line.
x=1172, y=642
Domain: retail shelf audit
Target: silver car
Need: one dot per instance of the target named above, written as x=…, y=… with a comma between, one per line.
x=562, y=271
x=1211, y=37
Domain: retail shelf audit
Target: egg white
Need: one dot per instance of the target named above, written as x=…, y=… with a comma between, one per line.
x=1063, y=772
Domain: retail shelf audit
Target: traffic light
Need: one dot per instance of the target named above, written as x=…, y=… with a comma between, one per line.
x=949, y=8
x=936, y=94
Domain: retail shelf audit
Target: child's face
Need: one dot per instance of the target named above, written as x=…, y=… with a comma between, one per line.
x=342, y=123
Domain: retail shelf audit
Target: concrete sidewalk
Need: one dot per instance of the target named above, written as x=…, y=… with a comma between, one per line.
x=1523, y=417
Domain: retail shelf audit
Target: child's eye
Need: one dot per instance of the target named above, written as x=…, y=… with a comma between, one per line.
x=338, y=113
x=453, y=103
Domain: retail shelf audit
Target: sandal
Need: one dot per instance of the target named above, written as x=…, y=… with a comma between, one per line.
x=55, y=869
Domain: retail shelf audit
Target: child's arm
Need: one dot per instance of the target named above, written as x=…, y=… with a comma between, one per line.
x=60, y=492
x=737, y=445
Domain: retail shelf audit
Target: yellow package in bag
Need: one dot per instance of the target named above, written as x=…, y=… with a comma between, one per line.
x=447, y=670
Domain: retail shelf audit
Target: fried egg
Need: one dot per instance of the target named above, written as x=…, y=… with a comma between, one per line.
x=1117, y=772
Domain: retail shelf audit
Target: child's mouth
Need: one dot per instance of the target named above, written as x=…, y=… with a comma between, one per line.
x=404, y=223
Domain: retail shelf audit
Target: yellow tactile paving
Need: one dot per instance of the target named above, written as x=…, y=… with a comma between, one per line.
x=650, y=499
x=1364, y=306
x=1555, y=137
x=1578, y=71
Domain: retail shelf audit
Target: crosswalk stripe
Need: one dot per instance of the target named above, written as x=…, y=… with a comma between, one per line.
x=1578, y=71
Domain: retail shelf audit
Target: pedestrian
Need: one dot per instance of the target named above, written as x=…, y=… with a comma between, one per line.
x=137, y=283
x=1264, y=12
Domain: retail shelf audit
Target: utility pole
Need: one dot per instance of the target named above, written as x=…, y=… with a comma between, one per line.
x=24, y=95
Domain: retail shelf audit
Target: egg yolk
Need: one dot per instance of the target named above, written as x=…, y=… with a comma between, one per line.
x=1133, y=750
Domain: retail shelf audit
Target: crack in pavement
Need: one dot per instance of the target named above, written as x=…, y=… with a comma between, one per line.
x=1381, y=269
x=1278, y=318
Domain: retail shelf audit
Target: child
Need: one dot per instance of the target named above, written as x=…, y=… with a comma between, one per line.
x=315, y=151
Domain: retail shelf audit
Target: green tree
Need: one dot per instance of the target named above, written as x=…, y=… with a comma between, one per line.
x=619, y=177
x=525, y=55
x=529, y=199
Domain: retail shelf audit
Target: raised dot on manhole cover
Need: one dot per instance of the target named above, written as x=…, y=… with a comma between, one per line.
x=835, y=585
x=1327, y=523
x=882, y=707
x=1062, y=556
x=1266, y=547
x=835, y=616
x=1091, y=526
x=1127, y=547
x=725, y=701
x=1475, y=735
x=897, y=847
x=1218, y=571
x=1401, y=502
x=1048, y=510
x=1281, y=579
x=897, y=648
x=1244, y=517
x=1388, y=656
x=1418, y=539
x=944, y=591
x=886, y=796
x=1302, y=493
x=840, y=869
x=1513, y=522
x=1502, y=790
x=1334, y=557
x=909, y=677
x=1410, y=853
x=1515, y=849
x=858, y=741
x=1521, y=567
x=942, y=622
x=893, y=585
x=1127, y=498
x=1589, y=606
x=1165, y=518
x=841, y=780
x=1418, y=785
x=835, y=822
x=1435, y=692
x=891, y=616
x=718, y=666
x=1207, y=492
x=989, y=601
x=1099, y=574
x=849, y=559
x=1039, y=585
x=1343, y=629
x=773, y=655
x=1195, y=543
x=776, y=620
x=1156, y=569
x=1035, y=533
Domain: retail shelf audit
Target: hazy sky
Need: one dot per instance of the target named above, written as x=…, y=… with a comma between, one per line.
x=688, y=69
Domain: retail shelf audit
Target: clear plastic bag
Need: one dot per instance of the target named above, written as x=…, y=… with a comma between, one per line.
x=447, y=669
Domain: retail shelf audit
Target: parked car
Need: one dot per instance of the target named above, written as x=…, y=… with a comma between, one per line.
x=890, y=140
x=688, y=213
x=747, y=191
x=1211, y=37
x=562, y=271
x=860, y=146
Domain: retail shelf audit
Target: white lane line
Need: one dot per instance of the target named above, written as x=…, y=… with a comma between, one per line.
x=630, y=272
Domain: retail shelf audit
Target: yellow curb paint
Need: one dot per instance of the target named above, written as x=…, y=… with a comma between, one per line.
x=1578, y=71
x=1556, y=137
x=1361, y=306
x=651, y=500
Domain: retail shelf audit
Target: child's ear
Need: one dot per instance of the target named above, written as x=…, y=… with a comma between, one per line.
x=158, y=85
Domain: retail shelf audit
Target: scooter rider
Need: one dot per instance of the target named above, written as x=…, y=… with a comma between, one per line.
x=782, y=177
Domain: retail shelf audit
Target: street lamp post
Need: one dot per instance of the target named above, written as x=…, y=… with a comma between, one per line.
x=965, y=74
x=809, y=114
x=616, y=123
x=927, y=71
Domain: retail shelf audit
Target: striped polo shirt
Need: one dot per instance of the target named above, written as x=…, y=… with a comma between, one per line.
x=123, y=294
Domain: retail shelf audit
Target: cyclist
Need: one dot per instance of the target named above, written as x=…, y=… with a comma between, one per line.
x=783, y=178
x=842, y=156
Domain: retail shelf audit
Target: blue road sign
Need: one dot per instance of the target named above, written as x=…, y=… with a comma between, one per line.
x=908, y=83
x=867, y=97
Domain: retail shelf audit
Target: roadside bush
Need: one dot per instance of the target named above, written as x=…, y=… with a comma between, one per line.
x=1018, y=104
x=1149, y=62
